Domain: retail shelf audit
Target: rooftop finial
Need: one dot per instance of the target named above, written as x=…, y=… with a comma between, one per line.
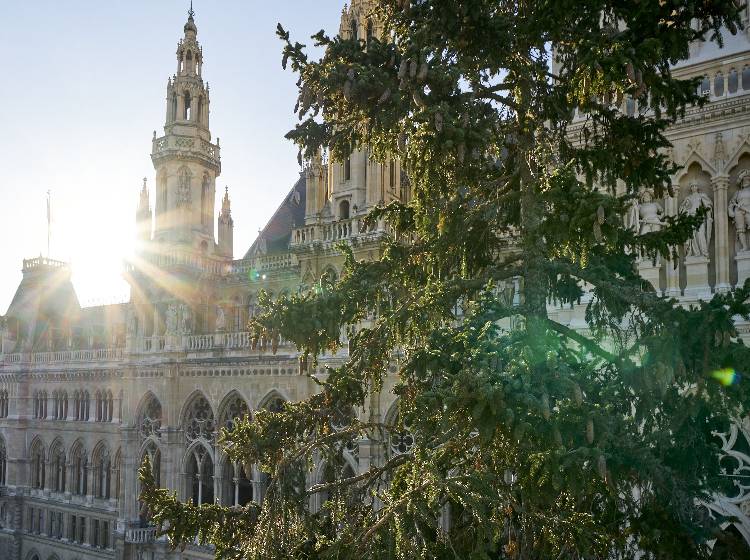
x=191, y=12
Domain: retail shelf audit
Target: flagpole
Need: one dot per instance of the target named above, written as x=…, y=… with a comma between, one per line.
x=49, y=219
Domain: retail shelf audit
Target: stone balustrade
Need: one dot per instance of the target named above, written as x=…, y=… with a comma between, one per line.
x=64, y=356
x=140, y=535
x=340, y=230
x=186, y=145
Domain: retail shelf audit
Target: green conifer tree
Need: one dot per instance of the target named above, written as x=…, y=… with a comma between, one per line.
x=517, y=437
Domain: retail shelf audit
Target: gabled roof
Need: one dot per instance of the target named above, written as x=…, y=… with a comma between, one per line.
x=275, y=237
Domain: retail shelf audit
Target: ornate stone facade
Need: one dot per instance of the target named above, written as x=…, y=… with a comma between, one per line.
x=87, y=393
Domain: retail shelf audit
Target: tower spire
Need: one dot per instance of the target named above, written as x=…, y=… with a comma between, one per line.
x=191, y=12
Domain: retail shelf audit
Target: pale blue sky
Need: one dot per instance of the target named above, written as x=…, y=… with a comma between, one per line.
x=82, y=88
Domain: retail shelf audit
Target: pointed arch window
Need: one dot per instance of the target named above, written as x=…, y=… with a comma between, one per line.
x=205, y=199
x=237, y=485
x=79, y=466
x=149, y=420
x=4, y=402
x=186, y=109
x=354, y=29
x=37, y=465
x=102, y=472
x=199, y=421
x=58, y=468
x=200, y=475
x=348, y=169
x=234, y=410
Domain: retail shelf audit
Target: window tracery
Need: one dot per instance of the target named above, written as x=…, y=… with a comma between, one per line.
x=79, y=465
x=234, y=410
x=199, y=421
x=149, y=422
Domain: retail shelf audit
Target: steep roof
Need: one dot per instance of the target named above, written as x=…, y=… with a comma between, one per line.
x=275, y=237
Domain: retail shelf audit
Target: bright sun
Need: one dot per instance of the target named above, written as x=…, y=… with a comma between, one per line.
x=95, y=243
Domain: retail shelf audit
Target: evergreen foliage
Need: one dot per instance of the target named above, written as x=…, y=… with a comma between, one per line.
x=535, y=441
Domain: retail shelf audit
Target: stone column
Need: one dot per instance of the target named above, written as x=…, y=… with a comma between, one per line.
x=672, y=267
x=720, y=185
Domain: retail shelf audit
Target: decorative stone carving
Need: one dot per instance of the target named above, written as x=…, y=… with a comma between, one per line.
x=186, y=317
x=698, y=245
x=739, y=209
x=172, y=319
x=183, y=190
x=221, y=320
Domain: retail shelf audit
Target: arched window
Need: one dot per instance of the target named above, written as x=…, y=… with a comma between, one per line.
x=200, y=475
x=331, y=473
x=705, y=87
x=370, y=31
x=344, y=210
x=149, y=418
x=234, y=409
x=57, y=467
x=198, y=422
x=3, y=462
x=348, y=169
x=746, y=78
x=63, y=410
x=186, y=113
x=77, y=405
x=4, y=402
x=392, y=175
x=199, y=114
x=173, y=113
x=237, y=485
x=79, y=463
x=206, y=218
x=719, y=84
x=109, y=409
x=98, y=409
x=733, y=80
x=37, y=464
x=354, y=29
x=83, y=406
x=189, y=61
x=102, y=472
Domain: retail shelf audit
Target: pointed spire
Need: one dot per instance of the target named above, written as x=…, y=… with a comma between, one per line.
x=143, y=203
x=226, y=208
x=191, y=12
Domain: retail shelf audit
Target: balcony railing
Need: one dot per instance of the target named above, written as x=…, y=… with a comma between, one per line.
x=64, y=356
x=341, y=230
x=140, y=535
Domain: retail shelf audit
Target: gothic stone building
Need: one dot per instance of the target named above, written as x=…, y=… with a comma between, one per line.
x=87, y=393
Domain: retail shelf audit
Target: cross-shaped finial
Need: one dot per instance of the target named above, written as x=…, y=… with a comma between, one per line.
x=191, y=12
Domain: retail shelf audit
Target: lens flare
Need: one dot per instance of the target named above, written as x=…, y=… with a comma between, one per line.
x=726, y=376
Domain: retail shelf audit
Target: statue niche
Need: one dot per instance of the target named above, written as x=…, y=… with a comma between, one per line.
x=700, y=242
x=739, y=209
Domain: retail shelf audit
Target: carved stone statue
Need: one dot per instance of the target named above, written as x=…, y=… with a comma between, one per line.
x=644, y=216
x=172, y=319
x=739, y=208
x=221, y=320
x=650, y=214
x=698, y=245
x=186, y=315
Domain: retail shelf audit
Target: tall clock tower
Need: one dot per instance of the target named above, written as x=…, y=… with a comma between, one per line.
x=186, y=161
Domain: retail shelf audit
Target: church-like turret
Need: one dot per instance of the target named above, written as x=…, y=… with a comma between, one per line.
x=226, y=227
x=187, y=163
x=143, y=216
